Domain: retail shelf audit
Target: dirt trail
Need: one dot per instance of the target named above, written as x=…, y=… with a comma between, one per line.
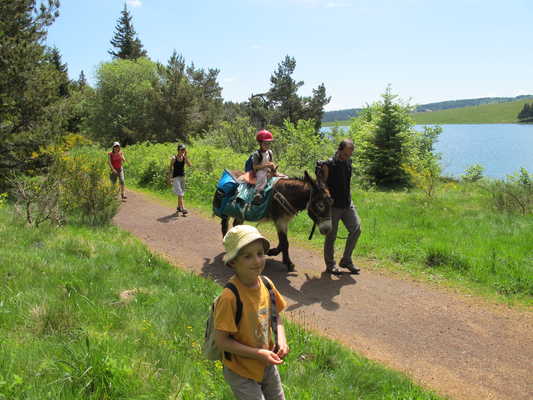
x=458, y=346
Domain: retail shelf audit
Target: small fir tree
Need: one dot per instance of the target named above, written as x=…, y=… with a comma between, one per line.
x=126, y=45
x=82, y=81
x=55, y=59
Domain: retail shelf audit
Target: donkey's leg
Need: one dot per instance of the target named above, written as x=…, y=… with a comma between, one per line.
x=283, y=245
x=224, y=225
x=237, y=221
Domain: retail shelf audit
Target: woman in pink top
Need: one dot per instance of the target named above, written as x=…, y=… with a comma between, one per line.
x=115, y=160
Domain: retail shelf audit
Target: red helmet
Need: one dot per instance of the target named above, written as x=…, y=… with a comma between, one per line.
x=264, y=136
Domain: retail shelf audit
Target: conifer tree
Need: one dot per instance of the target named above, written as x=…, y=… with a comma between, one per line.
x=282, y=101
x=82, y=81
x=386, y=154
x=55, y=59
x=526, y=114
x=126, y=45
x=28, y=83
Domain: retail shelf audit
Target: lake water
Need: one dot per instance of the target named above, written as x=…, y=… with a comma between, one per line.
x=502, y=149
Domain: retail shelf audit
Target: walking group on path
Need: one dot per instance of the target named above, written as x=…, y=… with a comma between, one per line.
x=248, y=351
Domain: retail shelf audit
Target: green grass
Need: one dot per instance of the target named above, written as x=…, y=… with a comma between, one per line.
x=66, y=334
x=500, y=113
x=456, y=238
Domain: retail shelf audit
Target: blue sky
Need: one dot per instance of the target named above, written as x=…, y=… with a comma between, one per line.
x=428, y=50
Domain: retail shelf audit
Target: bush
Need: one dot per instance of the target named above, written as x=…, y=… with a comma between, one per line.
x=37, y=199
x=238, y=135
x=473, y=173
x=514, y=194
x=86, y=190
x=154, y=175
x=297, y=147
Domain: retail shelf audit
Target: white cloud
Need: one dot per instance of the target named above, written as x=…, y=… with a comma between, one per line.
x=134, y=3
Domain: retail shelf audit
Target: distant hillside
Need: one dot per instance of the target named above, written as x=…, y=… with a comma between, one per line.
x=347, y=114
x=497, y=113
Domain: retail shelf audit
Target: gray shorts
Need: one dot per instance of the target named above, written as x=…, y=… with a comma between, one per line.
x=120, y=177
x=248, y=389
x=178, y=185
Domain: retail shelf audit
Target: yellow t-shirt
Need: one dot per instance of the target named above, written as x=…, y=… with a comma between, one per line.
x=254, y=327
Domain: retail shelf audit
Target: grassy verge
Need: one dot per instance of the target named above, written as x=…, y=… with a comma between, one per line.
x=499, y=113
x=66, y=333
x=455, y=238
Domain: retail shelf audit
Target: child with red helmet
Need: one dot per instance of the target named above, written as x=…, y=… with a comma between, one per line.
x=262, y=163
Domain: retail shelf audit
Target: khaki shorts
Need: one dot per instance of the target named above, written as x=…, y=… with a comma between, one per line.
x=248, y=389
x=178, y=185
x=120, y=177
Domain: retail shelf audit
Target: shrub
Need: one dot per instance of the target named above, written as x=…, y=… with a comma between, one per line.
x=154, y=175
x=238, y=135
x=473, y=173
x=37, y=199
x=86, y=189
x=297, y=147
x=514, y=194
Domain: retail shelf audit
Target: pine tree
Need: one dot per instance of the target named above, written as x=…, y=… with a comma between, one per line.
x=282, y=101
x=386, y=154
x=127, y=45
x=55, y=59
x=28, y=83
x=82, y=81
x=526, y=114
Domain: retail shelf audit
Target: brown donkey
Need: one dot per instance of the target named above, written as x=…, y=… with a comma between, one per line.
x=290, y=196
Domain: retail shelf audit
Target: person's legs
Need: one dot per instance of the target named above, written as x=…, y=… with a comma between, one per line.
x=181, y=205
x=329, y=242
x=178, y=188
x=271, y=385
x=261, y=177
x=122, y=183
x=352, y=222
x=243, y=388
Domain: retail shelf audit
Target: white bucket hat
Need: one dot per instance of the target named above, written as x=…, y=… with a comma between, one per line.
x=116, y=144
x=238, y=237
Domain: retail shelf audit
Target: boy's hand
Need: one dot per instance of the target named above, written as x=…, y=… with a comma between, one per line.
x=283, y=349
x=269, y=357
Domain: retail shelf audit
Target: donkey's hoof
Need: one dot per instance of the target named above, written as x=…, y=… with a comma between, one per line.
x=290, y=267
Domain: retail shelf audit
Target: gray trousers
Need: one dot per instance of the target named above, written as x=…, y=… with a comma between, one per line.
x=248, y=389
x=352, y=222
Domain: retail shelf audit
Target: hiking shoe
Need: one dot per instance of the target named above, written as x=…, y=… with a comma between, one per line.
x=184, y=211
x=333, y=270
x=350, y=267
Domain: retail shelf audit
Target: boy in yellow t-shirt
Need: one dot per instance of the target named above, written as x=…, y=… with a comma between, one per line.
x=250, y=369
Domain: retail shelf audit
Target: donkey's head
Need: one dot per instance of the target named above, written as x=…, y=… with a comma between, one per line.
x=319, y=206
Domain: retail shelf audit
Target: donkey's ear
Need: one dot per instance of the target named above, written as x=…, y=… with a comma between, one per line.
x=308, y=179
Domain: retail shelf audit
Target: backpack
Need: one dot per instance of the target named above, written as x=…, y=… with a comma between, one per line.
x=210, y=350
x=249, y=164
